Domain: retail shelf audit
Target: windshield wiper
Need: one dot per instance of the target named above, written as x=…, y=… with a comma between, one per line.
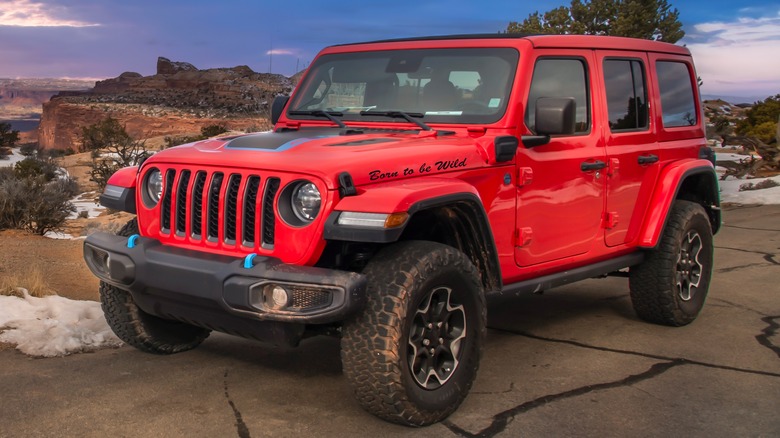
x=330, y=115
x=410, y=117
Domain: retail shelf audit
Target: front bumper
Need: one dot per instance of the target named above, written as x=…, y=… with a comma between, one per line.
x=220, y=292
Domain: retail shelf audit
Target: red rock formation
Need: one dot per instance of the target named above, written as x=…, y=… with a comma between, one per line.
x=179, y=100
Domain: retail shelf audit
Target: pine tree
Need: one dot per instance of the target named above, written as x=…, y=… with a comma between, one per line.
x=646, y=19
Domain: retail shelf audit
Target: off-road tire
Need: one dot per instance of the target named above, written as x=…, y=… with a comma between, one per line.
x=671, y=285
x=410, y=284
x=141, y=330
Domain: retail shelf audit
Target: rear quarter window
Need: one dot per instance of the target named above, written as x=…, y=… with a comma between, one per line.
x=678, y=107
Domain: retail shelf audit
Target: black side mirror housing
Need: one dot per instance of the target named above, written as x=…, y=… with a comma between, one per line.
x=277, y=107
x=553, y=116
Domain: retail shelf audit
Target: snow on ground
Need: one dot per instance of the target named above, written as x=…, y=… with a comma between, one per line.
x=57, y=235
x=53, y=326
x=12, y=159
x=729, y=188
x=729, y=192
x=86, y=202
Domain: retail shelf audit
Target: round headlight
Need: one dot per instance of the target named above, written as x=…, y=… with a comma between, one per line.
x=154, y=185
x=306, y=201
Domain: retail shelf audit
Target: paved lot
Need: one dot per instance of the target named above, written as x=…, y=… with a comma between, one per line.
x=574, y=361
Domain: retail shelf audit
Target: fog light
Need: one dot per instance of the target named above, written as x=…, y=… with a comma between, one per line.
x=276, y=297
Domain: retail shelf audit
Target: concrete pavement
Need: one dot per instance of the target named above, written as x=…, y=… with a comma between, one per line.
x=574, y=361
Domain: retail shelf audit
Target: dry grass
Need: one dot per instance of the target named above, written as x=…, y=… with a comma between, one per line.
x=31, y=279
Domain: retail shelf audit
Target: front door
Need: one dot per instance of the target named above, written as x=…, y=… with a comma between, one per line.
x=561, y=184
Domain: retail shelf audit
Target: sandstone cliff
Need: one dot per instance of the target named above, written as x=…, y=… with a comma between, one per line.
x=179, y=99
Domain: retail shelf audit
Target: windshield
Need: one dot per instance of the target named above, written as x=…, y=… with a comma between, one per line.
x=440, y=85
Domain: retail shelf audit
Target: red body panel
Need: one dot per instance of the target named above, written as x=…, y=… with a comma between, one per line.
x=665, y=191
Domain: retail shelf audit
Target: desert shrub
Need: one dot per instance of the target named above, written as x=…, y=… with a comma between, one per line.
x=4, y=152
x=103, y=134
x=205, y=132
x=29, y=149
x=765, y=184
x=52, y=153
x=35, y=167
x=761, y=120
x=212, y=131
x=33, y=203
x=8, y=136
x=111, y=148
x=171, y=141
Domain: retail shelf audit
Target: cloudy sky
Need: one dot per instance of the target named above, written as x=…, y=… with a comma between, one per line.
x=736, y=44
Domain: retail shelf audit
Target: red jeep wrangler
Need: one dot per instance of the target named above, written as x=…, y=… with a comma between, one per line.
x=405, y=182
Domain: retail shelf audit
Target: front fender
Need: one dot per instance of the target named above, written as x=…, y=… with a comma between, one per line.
x=119, y=193
x=672, y=178
x=399, y=196
x=395, y=197
x=124, y=177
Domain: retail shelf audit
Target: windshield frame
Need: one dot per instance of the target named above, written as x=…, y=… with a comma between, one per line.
x=407, y=64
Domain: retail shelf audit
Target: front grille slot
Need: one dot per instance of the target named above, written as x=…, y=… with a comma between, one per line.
x=231, y=205
x=269, y=217
x=213, y=211
x=197, y=205
x=181, y=203
x=250, y=206
x=166, y=201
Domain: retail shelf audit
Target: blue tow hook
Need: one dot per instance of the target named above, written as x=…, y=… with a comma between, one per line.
x=131, y=241
x=249, y=261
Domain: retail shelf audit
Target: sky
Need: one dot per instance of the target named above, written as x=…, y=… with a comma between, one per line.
x=736, y=44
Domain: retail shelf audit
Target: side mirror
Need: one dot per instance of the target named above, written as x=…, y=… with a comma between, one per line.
x=552, y=116
x=555, y=115
x=277, y=107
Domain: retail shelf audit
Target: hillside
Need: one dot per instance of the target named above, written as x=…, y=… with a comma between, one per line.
x=179, y=99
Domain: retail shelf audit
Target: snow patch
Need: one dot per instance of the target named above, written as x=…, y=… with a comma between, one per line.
x=729, y=192
x=57, y=235
x=53, y=326
x=86, y=202
x=729, y=188
x=12, y=159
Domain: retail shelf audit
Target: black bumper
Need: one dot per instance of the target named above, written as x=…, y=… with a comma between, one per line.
x=220, y=292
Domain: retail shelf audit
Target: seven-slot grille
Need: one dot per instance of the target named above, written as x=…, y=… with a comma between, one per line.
x=221, y=206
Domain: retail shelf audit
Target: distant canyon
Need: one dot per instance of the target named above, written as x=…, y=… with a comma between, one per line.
x=179, y=99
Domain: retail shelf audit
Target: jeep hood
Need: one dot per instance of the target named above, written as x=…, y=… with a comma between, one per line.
x=369, y=157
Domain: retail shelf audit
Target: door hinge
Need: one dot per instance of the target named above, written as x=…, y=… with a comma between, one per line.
x=614, y=166
x=525, y=176
x=610, y=220
x=523, y=236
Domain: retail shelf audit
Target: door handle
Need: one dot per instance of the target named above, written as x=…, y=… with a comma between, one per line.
x=594, y=165
x=647, y=159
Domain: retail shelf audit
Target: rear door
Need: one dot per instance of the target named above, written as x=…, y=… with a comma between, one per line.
x=632, y=151
x=560, y=184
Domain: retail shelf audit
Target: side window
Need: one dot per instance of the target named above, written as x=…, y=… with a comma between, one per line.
x=624, y=81
x=677, y=102
x=556, y=77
